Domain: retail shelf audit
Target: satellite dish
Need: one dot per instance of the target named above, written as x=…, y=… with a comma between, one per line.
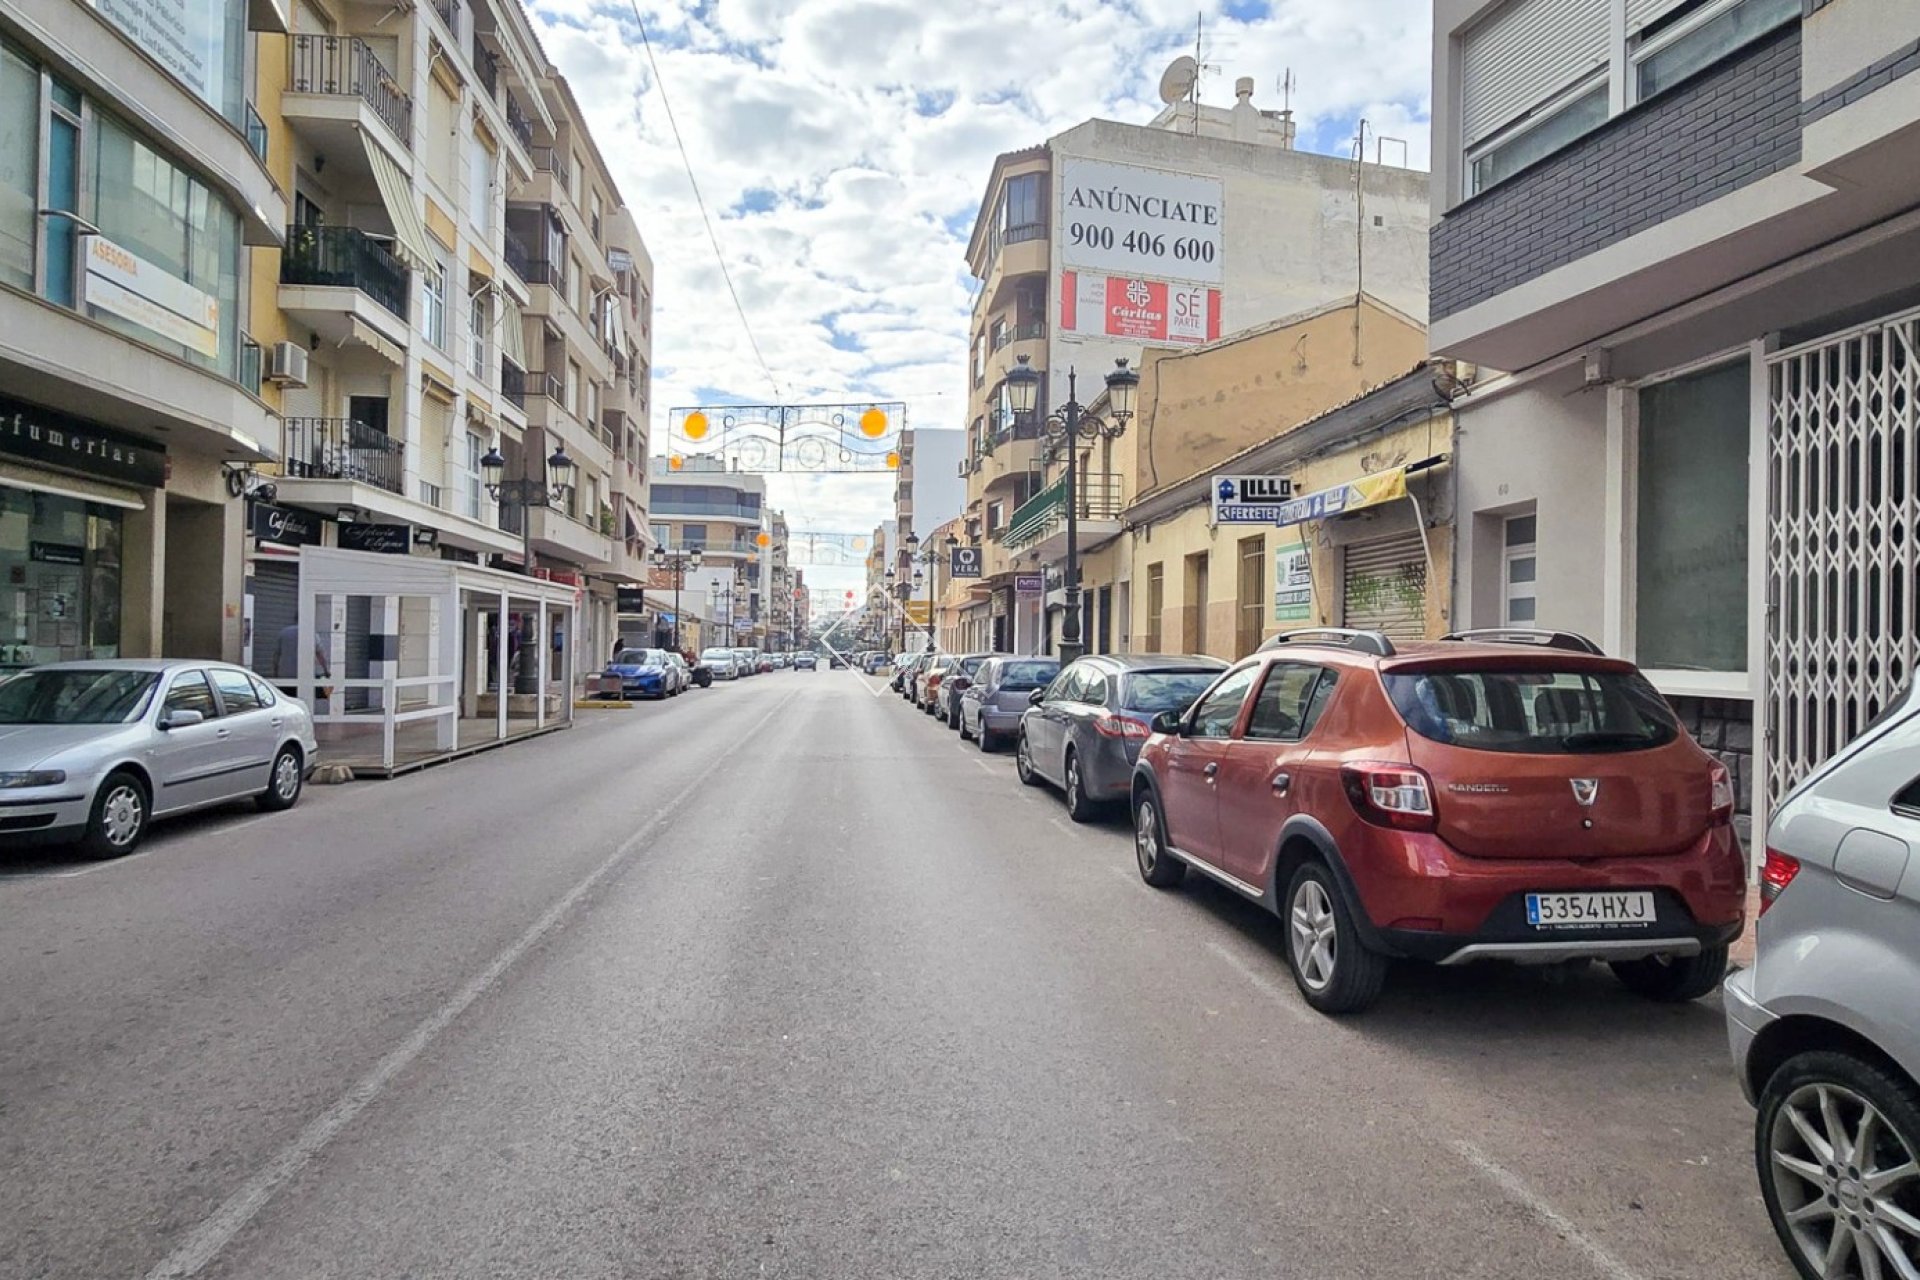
x=1176, y=82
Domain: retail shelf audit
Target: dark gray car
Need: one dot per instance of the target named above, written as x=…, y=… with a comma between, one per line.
x=958, y=680
x=1084, y=731
x=991, y=707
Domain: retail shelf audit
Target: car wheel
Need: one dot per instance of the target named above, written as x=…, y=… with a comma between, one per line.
x=1674, y=979
x=1157, y=867
x=119, y=817
x=284, y=782
x=1023, y=761
x=986, y=739
x=1331, y=966
x=1836, y=1140
x=960, y=726
x=1080, y=806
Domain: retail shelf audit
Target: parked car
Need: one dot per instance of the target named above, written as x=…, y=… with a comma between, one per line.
x=928, y=679
x=1084, y=730
x=645, y=673
x=903, y=678
x=1525, y=799
x=763, y=663
x=991, y=706
x=1825, y=1039
x=724, y=663
x=682, y=673
x=805, y=662
x=958, y=680
x=91, y=752
x=745, y=658
x=874, y=663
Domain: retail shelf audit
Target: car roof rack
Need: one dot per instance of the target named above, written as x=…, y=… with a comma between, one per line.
x=1374, y=642
x=1571, y=640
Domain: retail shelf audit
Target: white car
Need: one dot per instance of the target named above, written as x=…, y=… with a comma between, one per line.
x=724, y=663
x=91, y=752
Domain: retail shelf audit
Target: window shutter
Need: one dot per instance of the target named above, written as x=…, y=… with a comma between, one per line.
x=1528, y=52
x=1642, y=13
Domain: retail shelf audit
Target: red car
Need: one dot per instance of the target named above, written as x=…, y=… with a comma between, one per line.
x=1524, y=798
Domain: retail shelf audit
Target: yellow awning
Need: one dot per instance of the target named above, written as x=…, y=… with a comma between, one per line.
x=410, y=235
x=513, y=331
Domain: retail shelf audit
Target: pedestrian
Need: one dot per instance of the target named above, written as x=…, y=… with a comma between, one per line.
x=286, y=662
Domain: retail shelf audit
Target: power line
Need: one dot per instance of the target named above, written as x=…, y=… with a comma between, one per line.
x=700, y=201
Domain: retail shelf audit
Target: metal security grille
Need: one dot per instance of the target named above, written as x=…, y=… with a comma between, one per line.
x=1386, y=586
x=1842, y=518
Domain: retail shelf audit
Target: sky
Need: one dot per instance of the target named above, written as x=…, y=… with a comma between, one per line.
x=842, y=147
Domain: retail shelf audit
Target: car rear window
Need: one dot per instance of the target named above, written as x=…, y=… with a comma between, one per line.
x=1027, y=675
x=1156, y=691
x=1534, y=712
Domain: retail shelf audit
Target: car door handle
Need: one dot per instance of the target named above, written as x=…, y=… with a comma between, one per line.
x=1281, y=781
x=223, y=733
x=1212, y=768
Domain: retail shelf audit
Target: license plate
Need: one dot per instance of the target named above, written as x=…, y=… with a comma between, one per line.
x=1589, y=910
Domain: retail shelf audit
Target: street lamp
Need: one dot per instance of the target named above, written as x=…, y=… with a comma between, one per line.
x=528, y=492
x=931, y=559
x=893, y=593
x=679, y=562
x=1065, y=428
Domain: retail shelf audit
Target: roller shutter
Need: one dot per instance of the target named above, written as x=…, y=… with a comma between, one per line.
x=1641, y=13
x=1528, y=52
x=1386, y=586
x=275, y=589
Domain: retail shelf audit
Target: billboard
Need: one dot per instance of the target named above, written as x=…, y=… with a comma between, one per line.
x=1125, y=221
x=1136, y=310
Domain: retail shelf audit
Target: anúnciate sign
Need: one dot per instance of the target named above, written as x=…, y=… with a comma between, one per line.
x=1127, y=221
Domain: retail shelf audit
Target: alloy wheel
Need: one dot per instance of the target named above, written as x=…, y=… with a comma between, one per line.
x=1847, y=1183
x=1146, y=838
x=121, y=815
x=286, y=776
x=1313, y=935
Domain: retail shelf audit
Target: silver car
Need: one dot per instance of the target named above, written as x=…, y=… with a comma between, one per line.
x=991, y=707
x=1825, y=1026
x=91, y=752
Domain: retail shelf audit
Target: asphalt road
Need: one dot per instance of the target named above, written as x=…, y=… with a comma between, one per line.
x=778, y=979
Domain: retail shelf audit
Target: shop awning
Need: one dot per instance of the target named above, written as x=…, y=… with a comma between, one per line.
x=107, y=495
x=513, y=332
x=1367, y=491
x=396, y=193
x=616, y=333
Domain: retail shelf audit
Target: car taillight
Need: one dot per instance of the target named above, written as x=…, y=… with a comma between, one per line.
x=1720, y=795
x=1121, y=727
x=1391, y=795
x=1775, y=875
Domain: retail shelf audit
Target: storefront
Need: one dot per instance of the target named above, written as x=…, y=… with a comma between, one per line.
x=67, y=489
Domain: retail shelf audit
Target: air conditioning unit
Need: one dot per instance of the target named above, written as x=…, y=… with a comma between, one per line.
x=287, y=364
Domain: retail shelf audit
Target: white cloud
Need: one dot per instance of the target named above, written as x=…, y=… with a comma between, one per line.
x=839, y=143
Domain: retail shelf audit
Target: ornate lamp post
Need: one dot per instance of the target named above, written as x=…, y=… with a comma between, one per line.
x=930, y=557
x=1065, y=428
x=528, y=493
x=679, y=562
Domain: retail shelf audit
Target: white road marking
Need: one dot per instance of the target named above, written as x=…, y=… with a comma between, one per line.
x=1065, y=830
x=1519, y=1192
x=207, y=1240
x=984, y=765
x=1288, y=1001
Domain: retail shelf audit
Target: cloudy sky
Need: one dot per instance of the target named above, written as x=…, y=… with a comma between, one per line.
x=842, y=146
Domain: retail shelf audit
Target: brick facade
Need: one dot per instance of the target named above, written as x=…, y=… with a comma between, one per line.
x=1902, y=61
x=1732, y=125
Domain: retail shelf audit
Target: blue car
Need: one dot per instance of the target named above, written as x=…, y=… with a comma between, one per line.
x=644, y=673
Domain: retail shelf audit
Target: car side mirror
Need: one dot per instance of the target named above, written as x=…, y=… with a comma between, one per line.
x=179, y=718
x=1035, y=698
x=1168, y=722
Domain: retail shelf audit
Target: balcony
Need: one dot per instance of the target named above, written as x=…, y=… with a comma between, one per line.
x=1010, y=334
x=519, y=257
x=342, y=68
x=449, y=11
x=517, y=123
x=540, y=383
x=554, y=161
x=486, y=67
x=342, y=449
x=347, y=258
x=558, y=536
x=1040, y=523
x=513, y=384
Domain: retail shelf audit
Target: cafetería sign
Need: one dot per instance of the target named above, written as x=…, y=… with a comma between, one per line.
x=1119, y=220
x=57, y=439
x=284, y=526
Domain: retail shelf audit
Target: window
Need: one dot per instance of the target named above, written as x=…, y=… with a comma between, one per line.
x=1534, y=712
x=264, y=692
x=996, y=516
x=593, y=405
x=1197, y=597
x=443, y=137
x=1217, y=712
x=1534, y=139
x=479, y=325
x=470, y=476
x=1156, y=604
x=191, y=692
x=202, y=43
x=19, y=167
x=433, y=298
x=1285, y=709
x=1252, y=615
x=1023, y=206
x=1690, y=523
x=572, y=388
x=480, y=186
x=1710, y=33
x=236, y=691
x=1521, y=67
x=594, y=217
x=1518, y=574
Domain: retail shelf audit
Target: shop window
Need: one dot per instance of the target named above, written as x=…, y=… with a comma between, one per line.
x=60, y=570
x=1519, y=572
x=1690, y=544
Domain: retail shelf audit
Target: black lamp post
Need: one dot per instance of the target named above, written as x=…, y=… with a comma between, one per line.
x=1065, y=428
x=930, y=557
x=893, y=593
x=528, y=493
x=679, y=562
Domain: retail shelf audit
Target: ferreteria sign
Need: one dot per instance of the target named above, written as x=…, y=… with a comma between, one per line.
x=1123, y=221
x=50, y=437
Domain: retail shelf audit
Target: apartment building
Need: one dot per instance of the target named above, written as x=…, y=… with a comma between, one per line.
x=132, y=186
x=1686, y=231
x=700, y=505
x=413, y=335
x=1110, y=238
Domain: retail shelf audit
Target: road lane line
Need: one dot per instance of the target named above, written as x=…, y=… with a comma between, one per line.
x=1518, y=1191
x=1286, y=1000
x=984, y=765
x=214, y=1233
